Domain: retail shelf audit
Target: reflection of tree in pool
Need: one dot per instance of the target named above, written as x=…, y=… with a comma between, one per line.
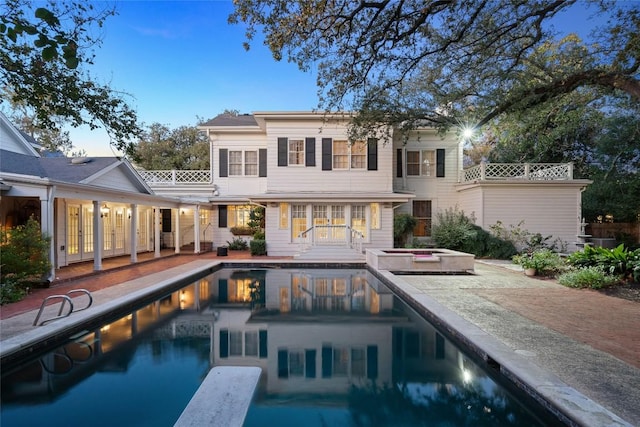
x=435, y=404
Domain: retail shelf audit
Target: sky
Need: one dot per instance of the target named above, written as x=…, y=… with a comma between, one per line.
x=180, y=60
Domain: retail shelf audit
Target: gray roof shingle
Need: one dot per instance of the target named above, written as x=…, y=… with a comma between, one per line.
x=231, y=120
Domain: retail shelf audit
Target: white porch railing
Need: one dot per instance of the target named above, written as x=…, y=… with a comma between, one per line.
x=518, y=171
x=176, y=177
x=331, y=235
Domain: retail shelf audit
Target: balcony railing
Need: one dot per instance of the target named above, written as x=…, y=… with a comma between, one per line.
x=176, y=177
x=518, y=171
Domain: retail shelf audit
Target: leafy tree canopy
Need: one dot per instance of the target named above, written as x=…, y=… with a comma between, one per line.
x=162, y=148
x=45, y=48
x=446, y=62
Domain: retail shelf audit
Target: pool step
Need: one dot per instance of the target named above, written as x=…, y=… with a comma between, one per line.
x=330, y=253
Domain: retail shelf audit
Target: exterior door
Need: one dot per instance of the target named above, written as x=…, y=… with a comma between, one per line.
x=74, y=234
x=329, y=222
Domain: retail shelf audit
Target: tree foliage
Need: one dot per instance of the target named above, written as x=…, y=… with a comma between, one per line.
x=44, y=53
x=414, y=62
x=162, y=148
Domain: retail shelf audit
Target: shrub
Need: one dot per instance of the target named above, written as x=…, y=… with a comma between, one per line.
x=544, y=261
x=259, y=235
x=25, y=254
x=452, y=229
x=618, y=260
x=403, y=225
x=11, y=291
x=589, y=277
x=488, y=246
x=238, y=244
x=258, y=247
x=242, y=231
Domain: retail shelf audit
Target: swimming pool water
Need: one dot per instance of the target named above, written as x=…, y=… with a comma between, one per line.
x=336, y=347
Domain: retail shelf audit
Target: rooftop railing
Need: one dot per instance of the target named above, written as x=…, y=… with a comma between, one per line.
x=518, y=171
x=176, y=177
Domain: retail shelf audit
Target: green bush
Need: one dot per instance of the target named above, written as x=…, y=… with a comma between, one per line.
x=24, y=257
x=618, y=260
x=544, y=261
x=259, y=235
x=258, y=247
x=452, y=229
x=10, y=291
x=238, y=244
x=592, y=277
x=403, y=225
x=486, y=245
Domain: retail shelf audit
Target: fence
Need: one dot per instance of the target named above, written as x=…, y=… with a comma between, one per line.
x=621, y=231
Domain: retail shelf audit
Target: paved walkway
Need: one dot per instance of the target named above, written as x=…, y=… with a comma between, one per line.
x=551, y=336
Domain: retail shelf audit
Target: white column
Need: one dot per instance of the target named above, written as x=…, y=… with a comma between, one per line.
x=156, y=229
x=196, y=230
x=97, y=236
x=133, y=223
x=47, y=227
x=176, y=241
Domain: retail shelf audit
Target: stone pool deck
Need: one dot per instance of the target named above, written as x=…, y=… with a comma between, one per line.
x=579, y=347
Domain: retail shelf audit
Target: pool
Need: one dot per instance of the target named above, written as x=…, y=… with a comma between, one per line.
x=336, y=347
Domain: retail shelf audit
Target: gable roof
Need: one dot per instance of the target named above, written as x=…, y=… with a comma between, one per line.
x=231, y=120
x=12, y=139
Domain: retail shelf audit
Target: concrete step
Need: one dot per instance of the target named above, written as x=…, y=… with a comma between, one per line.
x=330, y=253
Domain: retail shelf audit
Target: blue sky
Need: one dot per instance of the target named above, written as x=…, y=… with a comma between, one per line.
x=180, y=60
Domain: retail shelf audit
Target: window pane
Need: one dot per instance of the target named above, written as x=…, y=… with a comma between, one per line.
x=422, y=212
x=235, y=162
x=340, y=361
x=251, y=343
x=298, y=220
x=340, y=155
x=296, y=363
x=296, y=152
x=428, y=162
x=358, y=362
x=251, y=163
x=413, y=163
x=359, y=219
x=375, y=216
x=358, y=155
x=284, y=215
x=235, y=343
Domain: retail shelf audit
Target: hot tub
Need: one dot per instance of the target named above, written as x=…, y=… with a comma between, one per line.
x=421, y=260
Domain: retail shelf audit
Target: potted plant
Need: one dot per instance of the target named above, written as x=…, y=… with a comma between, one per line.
x=527, y=262
x=541, y=261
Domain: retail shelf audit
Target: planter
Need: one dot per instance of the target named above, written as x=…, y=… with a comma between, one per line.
x=529, y=271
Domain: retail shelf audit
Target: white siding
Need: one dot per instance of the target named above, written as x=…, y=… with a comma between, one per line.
x=549, y=210
x=238, y=185
x=115, y=178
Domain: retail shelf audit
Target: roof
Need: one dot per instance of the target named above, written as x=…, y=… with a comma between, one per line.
x=231, y=120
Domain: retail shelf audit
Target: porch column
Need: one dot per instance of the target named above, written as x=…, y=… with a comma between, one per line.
x=176, y=240
x=47, y=227
x=156, y=229
x=98, y=236
x=133, y=232
x=196, y=230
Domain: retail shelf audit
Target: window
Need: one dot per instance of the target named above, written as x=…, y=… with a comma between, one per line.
x=340, y=155
x=296, y=363
x=375, y=216
x=235, y=162
x=358, y=362
x=347, y=156
x=340, y=361
x=359, y=219
x=421, y=163
x=242, y=163
x=298, y=220
x=238, y=215
x=251, y=343
x=296, y=152
x=251, y=163
x=204, y=217
x=422, y=212
x=284, y=215
x=235, y=343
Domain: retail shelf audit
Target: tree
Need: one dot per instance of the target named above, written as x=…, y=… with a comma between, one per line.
x=43, y=56
x=161, y=148
x=443, y=62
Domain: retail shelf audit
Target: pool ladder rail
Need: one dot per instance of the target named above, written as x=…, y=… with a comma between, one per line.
x=65, y=299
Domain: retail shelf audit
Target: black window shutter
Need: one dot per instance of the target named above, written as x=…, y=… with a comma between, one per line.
x=283, y=364
x=222, y=216
x=224, y=162
x=372, y=154
x=372, y=362
x=399, y=163
x=224, y=343
x=327, y=362
x=263, y=343
x=283, y=151
x=223, y=291
x=327, y=160
x=310, y=363
x=309, y=151
x=440, y=162
x=166, y=220
x=262, y=162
